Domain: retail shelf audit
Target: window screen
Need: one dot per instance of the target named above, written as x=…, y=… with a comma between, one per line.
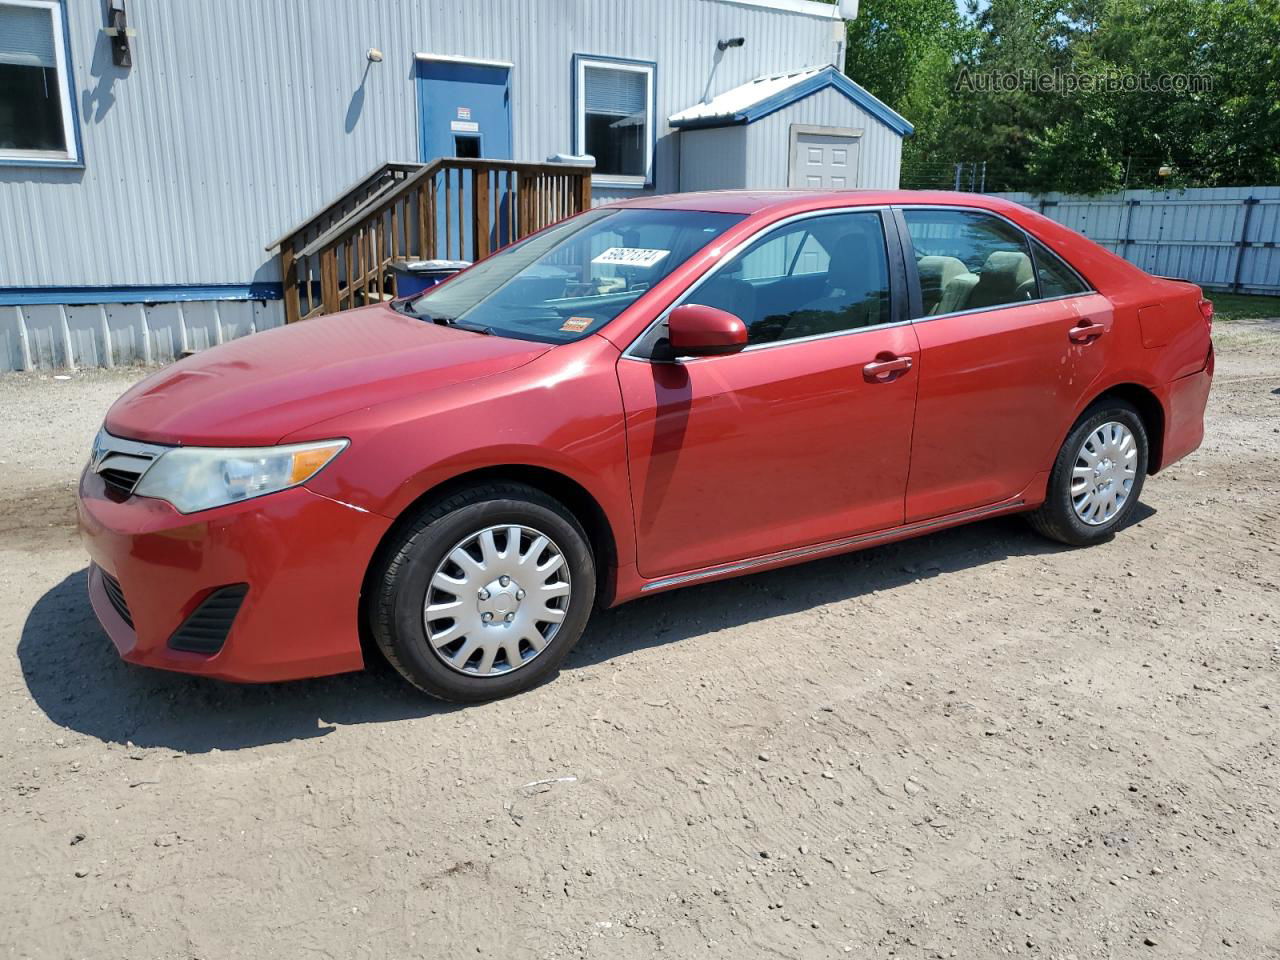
x=33, y=98
x=615, y=118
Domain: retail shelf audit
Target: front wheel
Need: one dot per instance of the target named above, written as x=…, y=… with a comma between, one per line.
x=1097, y=477
x=484, y=593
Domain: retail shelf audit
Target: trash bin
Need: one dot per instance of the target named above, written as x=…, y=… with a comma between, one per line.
x=414, y=276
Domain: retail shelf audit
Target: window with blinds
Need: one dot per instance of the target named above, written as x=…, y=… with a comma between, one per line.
x=35, y=95
x=615, y=118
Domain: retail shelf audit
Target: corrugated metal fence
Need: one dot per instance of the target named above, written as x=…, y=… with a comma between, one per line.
x=1227, y=238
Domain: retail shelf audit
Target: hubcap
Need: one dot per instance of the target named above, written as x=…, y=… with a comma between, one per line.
x=1105, y=469
x=497, y=600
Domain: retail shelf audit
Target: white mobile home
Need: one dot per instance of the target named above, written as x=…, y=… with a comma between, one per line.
x=152, y=152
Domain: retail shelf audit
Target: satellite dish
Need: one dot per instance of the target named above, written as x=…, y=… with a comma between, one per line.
x=848, y=9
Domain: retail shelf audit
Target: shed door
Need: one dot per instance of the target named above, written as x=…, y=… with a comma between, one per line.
x=824, y=158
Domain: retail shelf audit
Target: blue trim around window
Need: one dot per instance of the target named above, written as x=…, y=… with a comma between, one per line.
x=607, y=181
x=827, y=77
x=76, y=163
x=79, y=296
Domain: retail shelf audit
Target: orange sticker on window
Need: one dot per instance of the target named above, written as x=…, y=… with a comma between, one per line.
x=575, y=324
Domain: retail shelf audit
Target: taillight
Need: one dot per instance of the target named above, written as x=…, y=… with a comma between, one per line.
x=1206, y=311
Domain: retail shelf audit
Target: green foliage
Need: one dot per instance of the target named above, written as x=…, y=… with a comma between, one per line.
x=904, y=53
x=1238, y=306
x=923, y=57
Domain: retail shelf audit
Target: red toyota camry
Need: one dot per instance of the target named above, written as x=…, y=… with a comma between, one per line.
x=651, y=394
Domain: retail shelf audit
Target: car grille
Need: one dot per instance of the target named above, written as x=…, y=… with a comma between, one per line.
x=121, y=463
x=116, y=596
x=205, y=631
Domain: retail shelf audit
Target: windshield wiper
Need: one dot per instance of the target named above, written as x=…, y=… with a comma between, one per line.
x=402, y=306
x=459, y=325
x=456, y=323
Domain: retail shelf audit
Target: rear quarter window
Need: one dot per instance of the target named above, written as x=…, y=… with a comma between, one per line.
x=1056, y=278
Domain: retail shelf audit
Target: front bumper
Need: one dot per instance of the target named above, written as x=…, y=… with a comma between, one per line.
x=302, y=557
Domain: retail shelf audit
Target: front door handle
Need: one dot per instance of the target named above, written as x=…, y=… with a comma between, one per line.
x=1086, y=331
x=883, y=370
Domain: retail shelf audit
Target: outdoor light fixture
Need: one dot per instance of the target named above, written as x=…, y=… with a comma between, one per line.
x=373, y=55
x=732, y=42
x=119, y=31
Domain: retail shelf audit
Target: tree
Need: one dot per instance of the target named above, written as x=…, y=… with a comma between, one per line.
x=903, y=52
x=1210, y=107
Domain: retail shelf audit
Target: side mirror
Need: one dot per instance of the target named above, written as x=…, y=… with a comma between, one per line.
x=694, y=330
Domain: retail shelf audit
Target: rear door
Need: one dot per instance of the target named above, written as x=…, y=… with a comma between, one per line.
x=793, y=441
x=1010, y=340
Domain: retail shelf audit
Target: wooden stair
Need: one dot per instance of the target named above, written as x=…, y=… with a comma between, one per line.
x=450, y=208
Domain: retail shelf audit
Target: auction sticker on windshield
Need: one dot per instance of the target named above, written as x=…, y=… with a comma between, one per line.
x=631, y=256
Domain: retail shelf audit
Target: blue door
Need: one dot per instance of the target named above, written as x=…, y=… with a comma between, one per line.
x=464, y=110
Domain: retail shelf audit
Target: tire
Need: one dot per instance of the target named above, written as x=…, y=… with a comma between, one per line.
x=1058, y=517
x=532, y=620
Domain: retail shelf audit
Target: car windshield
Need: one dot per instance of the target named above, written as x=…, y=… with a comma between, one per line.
x=573, y=278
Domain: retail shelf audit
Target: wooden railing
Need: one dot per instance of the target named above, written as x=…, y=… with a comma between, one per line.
x=451, y=209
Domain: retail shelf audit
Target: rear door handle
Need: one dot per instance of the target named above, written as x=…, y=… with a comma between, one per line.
x=882, y=371
x=1086, y=331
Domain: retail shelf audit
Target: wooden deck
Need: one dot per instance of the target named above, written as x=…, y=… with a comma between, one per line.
x=451, y=208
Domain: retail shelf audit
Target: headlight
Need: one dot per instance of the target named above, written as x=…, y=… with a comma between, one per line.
x=197, y=478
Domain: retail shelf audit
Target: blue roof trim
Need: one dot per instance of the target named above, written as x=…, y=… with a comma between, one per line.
x=81, y=296
x=827, y=77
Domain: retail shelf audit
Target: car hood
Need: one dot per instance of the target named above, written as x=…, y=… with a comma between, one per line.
x=260, y=388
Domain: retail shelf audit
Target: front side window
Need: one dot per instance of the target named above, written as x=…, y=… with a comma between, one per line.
x=36, y=119
x=969, y=261
x=573, y=278
x=614, y=115
x=816, y=276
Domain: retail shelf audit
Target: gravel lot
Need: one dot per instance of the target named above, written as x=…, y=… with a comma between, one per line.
x=971, y=745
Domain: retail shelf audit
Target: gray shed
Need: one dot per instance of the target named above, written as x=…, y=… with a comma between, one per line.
x=811, y=128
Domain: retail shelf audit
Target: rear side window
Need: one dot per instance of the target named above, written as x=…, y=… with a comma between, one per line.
x=969, y=261
x=820, y=275
x=1056, y=278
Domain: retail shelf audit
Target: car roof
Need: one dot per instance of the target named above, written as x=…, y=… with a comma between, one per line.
x=1099, y=265
x=779, y=201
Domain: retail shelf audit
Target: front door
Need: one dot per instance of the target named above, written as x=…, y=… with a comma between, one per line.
x=464, y=109
x=796, y=440
x=824, y=158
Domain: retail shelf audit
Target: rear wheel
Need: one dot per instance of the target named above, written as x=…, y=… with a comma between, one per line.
x=1097, y=477
x=484, y=593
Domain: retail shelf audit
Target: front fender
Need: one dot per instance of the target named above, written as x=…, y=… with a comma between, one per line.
x=562, y=413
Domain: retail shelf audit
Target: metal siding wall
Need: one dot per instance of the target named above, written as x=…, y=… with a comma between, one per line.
x=714, y=158
x=117, y=334
x=1192, y=234
x=239, y=118
x=769, y=141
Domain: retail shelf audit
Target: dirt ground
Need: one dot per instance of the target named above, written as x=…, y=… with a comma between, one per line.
x=972, y=745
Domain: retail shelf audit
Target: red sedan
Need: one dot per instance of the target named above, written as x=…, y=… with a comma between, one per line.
x=651, y=394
